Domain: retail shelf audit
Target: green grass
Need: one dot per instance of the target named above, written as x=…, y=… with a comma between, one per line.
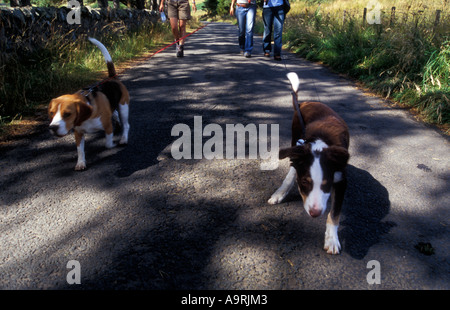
x=62, y=65
x=407, y=61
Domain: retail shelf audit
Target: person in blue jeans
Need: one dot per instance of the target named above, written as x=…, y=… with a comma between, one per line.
x=273, y=16
x=245, y=13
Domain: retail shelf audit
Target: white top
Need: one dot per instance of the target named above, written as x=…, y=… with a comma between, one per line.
x=272, y=3
x=246, y=1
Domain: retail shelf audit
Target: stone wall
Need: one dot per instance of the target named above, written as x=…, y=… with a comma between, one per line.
x=25, y=30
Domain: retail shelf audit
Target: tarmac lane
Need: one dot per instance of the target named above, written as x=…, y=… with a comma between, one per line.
x=138, y=218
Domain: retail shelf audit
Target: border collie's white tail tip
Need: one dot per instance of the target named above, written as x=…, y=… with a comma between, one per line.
x=295, y=82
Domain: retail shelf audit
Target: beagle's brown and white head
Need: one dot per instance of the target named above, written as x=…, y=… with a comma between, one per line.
x=66, y=112
x=318, y=166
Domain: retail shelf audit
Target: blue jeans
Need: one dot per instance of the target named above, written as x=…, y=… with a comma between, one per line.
x=246, y=23
x=273, y=16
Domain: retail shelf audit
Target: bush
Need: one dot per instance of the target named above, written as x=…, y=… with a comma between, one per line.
x=223, y=7
x=217, y=7
x=211, y=7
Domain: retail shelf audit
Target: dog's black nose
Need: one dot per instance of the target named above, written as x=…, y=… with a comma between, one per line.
x=53, y=128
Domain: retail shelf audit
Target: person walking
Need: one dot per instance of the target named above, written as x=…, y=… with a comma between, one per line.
x=273, y=16
x=179, y=12
x=245, y=13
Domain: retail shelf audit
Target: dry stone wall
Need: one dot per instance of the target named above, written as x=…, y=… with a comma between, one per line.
x=26, y=29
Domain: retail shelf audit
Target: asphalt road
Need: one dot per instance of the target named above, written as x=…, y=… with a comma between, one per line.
x=139, y=219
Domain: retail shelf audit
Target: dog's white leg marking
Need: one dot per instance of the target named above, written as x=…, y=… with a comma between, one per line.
x=109, y=141
x=116, y=117
x=332, y=245
x=124, y=111
x=285, y=187
x=81, y=162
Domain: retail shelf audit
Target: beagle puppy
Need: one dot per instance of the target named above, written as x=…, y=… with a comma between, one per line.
x=91, y=110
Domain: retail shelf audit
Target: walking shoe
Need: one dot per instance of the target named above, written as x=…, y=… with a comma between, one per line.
x=247, y=55
x=277, y=57
x=180, y=50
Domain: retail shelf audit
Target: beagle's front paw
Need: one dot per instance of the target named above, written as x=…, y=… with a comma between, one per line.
x=80, y=166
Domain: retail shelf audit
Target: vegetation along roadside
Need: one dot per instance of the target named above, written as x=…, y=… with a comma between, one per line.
x=30, y=78
x=404, y=55
x=399, y=49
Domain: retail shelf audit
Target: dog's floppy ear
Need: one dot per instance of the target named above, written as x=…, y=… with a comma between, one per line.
x=337, y=156
x=84, y=111
x=295, y=152
x=51, y=109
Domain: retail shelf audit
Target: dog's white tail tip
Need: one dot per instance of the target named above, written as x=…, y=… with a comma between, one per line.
x=295, y=81
x=95, y=41
x=102, y=48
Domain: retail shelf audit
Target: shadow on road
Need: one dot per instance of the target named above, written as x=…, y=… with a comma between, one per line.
x=366, y=204
x=138, y=223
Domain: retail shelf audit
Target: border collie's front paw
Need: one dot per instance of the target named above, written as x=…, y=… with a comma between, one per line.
x=276, y=198
x=332, y=245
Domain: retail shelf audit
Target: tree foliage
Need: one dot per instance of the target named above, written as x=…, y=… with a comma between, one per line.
x=217, y=7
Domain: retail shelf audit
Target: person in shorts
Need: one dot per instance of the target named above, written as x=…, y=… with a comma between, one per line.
x=179, y=12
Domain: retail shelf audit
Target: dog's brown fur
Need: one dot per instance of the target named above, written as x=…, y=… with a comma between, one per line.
x=91, y=110
x=319, y=156
x=321, y=122
x=75, y=109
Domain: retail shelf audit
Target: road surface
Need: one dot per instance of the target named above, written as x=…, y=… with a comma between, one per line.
x=139, y=219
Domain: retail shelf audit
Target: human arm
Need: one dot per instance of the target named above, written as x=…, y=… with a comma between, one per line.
x=233, y=2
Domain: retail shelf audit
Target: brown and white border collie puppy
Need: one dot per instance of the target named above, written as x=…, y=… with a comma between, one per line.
x=88, y=111
x=318, y=163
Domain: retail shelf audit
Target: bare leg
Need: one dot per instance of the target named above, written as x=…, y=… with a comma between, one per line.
x=175, y=28
x=182, y=29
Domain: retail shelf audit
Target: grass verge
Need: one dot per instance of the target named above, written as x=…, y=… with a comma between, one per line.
x=406, y=57
x=63, y=66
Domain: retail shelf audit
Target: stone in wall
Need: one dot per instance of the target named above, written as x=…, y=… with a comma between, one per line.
x=25, y=30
